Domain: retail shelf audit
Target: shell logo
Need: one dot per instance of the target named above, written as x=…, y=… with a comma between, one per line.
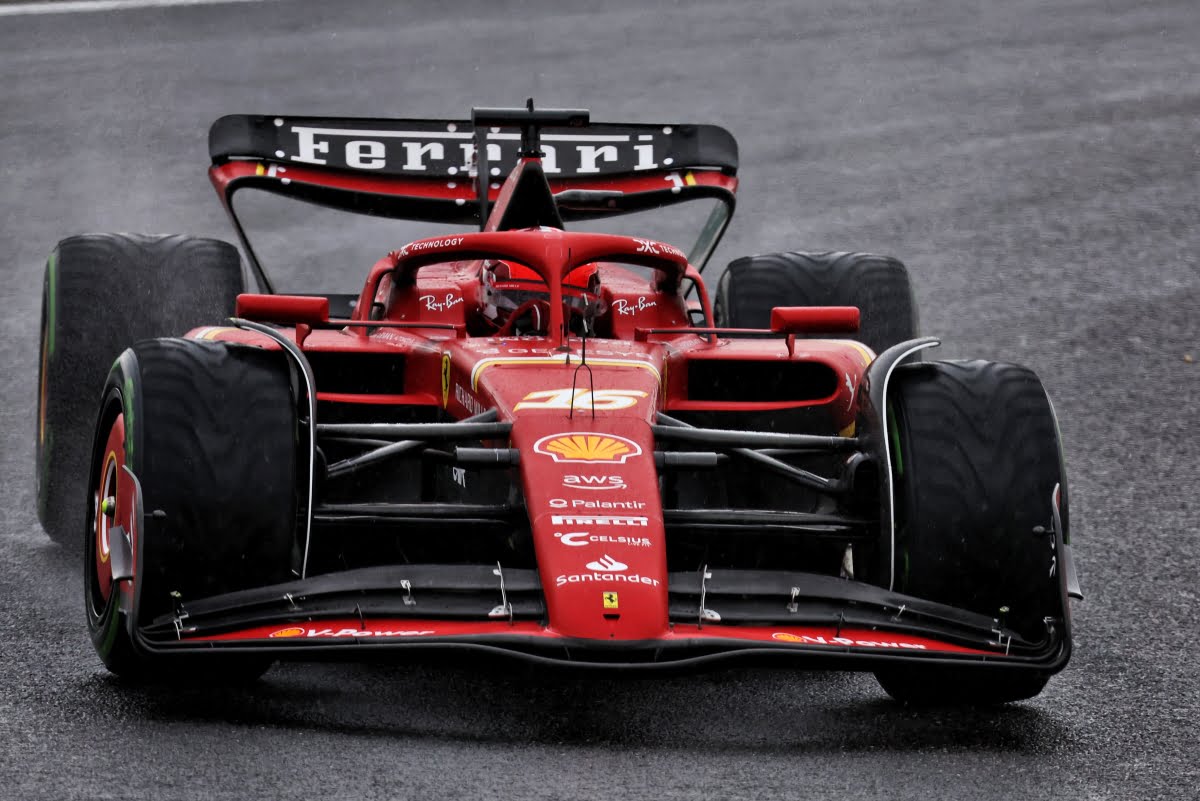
x=588, y=447
x=294, y=631
x=785, y=637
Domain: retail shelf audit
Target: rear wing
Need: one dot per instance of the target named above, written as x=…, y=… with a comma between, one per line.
x=451, y=171
x=442, y=149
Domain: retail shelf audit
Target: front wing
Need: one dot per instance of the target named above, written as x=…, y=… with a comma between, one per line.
x=717, y=616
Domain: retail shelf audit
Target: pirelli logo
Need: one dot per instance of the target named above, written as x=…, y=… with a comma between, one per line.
x=599, y=520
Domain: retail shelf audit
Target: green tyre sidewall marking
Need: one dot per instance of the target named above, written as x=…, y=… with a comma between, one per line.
x=898, y=464
x=49, y=338
x=894, y=433
x=131, y=420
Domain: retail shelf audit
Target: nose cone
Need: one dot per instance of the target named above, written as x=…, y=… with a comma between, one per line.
x=591, y=489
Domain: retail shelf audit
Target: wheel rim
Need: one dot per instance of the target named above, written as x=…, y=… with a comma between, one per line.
x=110, y=509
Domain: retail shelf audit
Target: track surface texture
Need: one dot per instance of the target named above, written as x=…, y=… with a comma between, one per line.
x=1035, y=165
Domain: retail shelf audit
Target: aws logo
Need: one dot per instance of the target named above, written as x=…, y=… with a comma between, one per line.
x=574, y=481
x=587, y=447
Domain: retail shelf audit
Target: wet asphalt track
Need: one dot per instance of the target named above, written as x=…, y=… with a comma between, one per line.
x=1035, y=163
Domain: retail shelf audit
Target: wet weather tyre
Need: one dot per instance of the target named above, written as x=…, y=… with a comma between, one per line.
x=101, y=293
x=878, y=285
x=976, y=459
x=210, y=431
x=942, y=686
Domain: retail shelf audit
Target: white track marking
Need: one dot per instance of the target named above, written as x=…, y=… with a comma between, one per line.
x=76, y=6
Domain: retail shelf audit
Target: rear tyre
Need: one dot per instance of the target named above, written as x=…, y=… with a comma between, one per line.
x=878, y=285
x=976, y=460
x=102, y=293
x=210, y=431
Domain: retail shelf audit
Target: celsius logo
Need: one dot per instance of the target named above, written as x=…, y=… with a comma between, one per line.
x=594, y=482
x=578, y=539
x=606, y=564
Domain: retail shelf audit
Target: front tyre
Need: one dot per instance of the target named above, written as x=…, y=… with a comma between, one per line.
x=976, y=460
x=949, y=686
x=209, y=429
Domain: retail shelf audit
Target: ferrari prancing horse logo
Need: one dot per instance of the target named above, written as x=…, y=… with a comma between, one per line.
x=445, y=379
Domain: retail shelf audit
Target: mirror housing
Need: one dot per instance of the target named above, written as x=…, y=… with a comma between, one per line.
x=284, y=309
x=815, y=319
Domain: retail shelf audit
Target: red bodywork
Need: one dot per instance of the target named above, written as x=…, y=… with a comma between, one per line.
x=582, y=452
x=587, y=472
x=528, y=380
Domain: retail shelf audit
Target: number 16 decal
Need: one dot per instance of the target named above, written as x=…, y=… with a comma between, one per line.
x=603, y=400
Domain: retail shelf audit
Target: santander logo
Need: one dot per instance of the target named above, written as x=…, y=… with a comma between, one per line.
x=606, y=564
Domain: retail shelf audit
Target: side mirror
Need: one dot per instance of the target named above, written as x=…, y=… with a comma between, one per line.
x=793, y=320
x=284, y=309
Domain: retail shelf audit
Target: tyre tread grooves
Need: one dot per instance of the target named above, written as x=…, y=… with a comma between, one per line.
x=113, y=290
x=878, y=285
x=219, y=443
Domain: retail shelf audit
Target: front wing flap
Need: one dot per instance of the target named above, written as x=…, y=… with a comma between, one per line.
x=827, y=621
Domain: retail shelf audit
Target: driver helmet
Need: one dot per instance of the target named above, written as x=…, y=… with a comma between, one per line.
x=507, y=286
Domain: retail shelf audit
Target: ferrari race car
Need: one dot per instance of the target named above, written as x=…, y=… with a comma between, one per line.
x=538, y=438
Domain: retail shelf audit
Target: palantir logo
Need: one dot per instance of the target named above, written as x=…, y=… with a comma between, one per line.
x=606, y=564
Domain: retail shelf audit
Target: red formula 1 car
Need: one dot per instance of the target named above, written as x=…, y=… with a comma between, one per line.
x=535, y=438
